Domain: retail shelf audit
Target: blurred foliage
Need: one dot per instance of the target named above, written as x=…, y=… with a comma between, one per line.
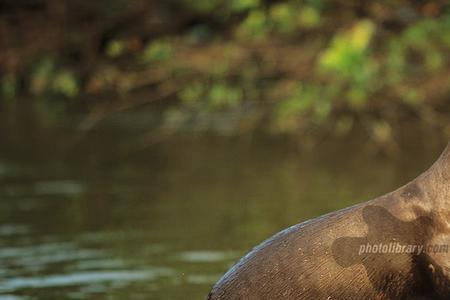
x=9, y=86
x=333, y=64
x=47, y=77
x=115, y=48
x=157, y=51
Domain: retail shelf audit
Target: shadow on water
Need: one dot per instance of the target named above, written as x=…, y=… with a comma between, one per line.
x=101, y=214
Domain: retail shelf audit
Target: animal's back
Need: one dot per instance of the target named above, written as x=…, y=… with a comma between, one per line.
x=299, y=263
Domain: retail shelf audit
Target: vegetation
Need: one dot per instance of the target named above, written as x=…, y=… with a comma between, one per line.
x=290, y=65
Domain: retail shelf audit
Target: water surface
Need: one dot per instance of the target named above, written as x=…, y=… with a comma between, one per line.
x=120, y=213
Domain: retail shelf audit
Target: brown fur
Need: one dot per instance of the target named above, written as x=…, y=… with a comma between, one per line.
x=314, y=259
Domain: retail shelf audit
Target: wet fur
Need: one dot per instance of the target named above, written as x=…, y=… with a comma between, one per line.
x=298, y=263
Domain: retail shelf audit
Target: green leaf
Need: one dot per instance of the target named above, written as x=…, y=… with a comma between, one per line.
x=284, y=17
x=221, y=95
x=255, y=26
x=65, y=83
x=42, y=75
x=9, y=85
x=157, y=51
x=348, y=49
x=309, y=17
x=243, y=5
x=192, y=93
x=115, y=48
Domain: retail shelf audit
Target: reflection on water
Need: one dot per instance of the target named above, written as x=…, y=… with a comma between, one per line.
x=205, y=256
x=80, y=278
x=106, y=214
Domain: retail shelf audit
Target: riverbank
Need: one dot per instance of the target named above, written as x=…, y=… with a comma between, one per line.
x=284, y=66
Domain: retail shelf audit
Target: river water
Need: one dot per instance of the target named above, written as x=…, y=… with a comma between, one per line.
x=119, y=212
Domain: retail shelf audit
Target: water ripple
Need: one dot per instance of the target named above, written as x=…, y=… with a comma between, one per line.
x=82, y=278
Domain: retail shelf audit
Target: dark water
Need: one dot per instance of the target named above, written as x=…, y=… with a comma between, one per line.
x=118, y=213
